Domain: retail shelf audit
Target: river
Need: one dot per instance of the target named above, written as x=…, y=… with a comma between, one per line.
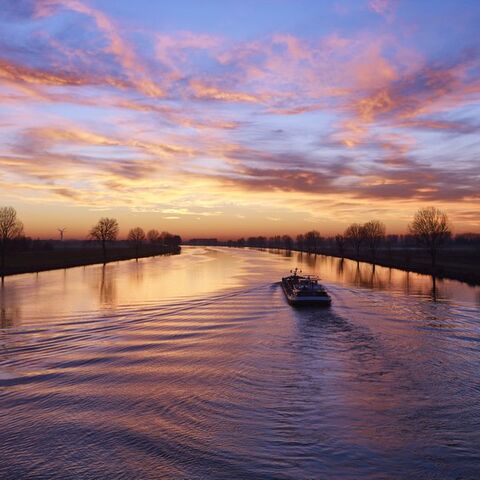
x=193, y=366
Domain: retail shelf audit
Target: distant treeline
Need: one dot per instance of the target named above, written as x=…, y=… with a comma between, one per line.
x=312, y=241
x=29, y=244
x=429, y=235
x=18, y=251
x=23, y=243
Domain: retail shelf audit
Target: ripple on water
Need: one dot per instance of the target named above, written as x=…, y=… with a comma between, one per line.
x=234, y=383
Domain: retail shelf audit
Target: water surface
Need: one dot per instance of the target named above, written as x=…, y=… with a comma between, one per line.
x=194, y=366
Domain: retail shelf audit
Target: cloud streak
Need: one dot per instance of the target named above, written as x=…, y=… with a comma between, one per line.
x=120, y=113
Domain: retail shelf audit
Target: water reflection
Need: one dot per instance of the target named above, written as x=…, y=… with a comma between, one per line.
x=434, y=288
x=149, y=280
x=5, y=319
x=196, y=367
x=137, y=274
x=365, y=275
x=9, y=306
x=106, y=286
x=340, y=267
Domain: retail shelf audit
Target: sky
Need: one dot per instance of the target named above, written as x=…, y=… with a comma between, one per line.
x=228, y=119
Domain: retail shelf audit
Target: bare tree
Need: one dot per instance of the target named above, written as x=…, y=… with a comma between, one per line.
x=172, y=242
x=355, y=236
x=300, y=242
x=136, y=236
x=106, y=230
x=10, y=229
x=312, y=241
x=374, y=233
x=340, y=242
x=153, y=236
x=431, y=228
x=287, y=242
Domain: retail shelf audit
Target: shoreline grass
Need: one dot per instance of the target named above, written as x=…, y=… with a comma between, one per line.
x=58, y=259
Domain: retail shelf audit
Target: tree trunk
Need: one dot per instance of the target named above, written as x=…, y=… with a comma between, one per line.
x=3, y=260
x=104, y=249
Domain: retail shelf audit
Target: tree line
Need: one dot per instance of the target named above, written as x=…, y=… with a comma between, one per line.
x=430, y=229
x=105, y=232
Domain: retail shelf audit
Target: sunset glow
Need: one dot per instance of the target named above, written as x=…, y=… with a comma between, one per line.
x=228, y=119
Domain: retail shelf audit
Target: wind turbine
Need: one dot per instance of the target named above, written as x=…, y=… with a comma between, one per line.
x=62, y=231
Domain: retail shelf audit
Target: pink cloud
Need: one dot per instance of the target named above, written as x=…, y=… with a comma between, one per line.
x=385, y=8
x=208, y=93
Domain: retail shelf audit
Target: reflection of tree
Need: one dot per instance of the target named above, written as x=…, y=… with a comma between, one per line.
x=108, y=288
x=340, y=267
x=311, y=260
x=6, y=321
x=378, y=277
x=8, y=315
x=434, y=288
x=137, y=273
x=389, y=277
x=372, y=277
x=407, y=283
x=366, y=275
x=357, y=280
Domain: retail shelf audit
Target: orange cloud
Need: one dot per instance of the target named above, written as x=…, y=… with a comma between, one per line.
x=168, y=133
x=18, y=73
x=94, y=139
x=203, y=91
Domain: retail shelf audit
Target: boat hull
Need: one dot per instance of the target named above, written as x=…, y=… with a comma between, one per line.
x=304, y=301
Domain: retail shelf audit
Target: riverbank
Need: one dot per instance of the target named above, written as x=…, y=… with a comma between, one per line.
x=455, y=264
x=39, y=261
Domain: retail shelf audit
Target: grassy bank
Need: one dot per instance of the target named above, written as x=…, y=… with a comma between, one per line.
x=453, y=263
x=38, y=261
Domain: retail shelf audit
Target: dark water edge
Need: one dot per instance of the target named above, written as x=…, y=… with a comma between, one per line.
x=469, y=274
x=355, y=273
x=195, y=367
x=42, y=261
